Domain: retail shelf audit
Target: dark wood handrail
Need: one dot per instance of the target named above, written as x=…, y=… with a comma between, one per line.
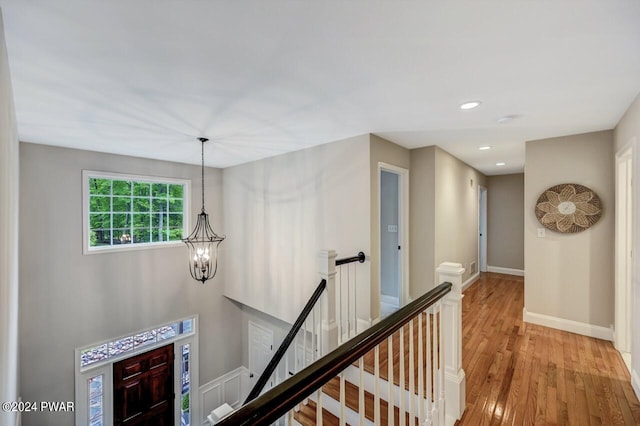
x=282, y=349
x=275, y=360
x=274, y=403
x=357, y=258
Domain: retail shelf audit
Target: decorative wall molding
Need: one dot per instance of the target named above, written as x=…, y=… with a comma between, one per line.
x=508, y=271
x=585, y=329
x=472, y=279
x=231, y=388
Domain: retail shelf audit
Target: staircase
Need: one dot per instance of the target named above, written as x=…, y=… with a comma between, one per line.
x=388, y=381
x=404, y=370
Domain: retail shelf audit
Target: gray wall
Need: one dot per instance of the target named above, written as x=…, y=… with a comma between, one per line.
x=9, y=216
x=505, y=221
x=456, y=212
x=444, y=215
x=68, y=300
x=389, y=240
x=571, y=276
x=281, y=211
x=422, y=219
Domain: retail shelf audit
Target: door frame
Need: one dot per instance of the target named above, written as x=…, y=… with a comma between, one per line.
x=482, y=227
x=403, y=231
x=626, y=212
x=105, y=369
x=262, y=329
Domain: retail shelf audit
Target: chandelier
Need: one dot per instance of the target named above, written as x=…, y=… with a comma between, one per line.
x=203, y=242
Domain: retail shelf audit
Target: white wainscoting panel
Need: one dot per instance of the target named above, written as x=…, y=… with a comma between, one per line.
x=231, y=388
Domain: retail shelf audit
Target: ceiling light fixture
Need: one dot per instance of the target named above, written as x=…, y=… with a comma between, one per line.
x=203, y=242
x=506, y=118
x=500, y=164
x=484, y=148
x=470, y=105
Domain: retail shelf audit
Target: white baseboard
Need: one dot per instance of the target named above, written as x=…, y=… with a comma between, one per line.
x=390, y=300
x=472, y=279
x=635, y=382
x=231, y=388
x=571, y=326
x=508, y=271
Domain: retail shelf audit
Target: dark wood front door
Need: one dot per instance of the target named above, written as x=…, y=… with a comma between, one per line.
x=143, y=389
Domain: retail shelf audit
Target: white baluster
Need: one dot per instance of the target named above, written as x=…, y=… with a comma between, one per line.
x=412, y=384
x=319, y=407
x=430, y=363
x=361, y=407
x=390, y=378
x=421, y=402
x=343, y=397
x=376, y=396
x=401, y=406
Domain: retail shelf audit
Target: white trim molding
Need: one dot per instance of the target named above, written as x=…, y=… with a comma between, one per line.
x=472, y=279
x=230, y=388
x=635, y=382
x=571, y=326
x=508, y=271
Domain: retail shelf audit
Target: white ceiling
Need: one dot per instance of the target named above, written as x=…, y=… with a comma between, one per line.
x=146, y=77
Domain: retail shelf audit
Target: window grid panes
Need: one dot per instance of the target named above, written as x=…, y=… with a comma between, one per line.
x=127, y=211
x=96, y=401
x=118, y=347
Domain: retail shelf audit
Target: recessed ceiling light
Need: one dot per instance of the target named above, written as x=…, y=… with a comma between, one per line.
x=470, y=105
x=500, y=164
x=484, y=148
x=507, y=118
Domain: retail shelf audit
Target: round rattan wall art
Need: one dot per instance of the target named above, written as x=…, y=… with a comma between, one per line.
x=568, y=208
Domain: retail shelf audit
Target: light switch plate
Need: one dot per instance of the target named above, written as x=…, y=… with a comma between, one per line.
x=392, y=228
x=541, y=232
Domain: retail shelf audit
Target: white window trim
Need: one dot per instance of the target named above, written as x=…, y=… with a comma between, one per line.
x=83, y=374
x=186, y=211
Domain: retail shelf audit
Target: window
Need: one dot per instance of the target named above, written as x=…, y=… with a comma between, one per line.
x=124, y=211
x=154, y=336
x=96, y=401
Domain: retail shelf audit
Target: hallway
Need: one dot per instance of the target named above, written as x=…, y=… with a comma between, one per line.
x=524, y=374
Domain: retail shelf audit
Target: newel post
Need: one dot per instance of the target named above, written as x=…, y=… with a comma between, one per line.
x=327, y=268
x=454, y=376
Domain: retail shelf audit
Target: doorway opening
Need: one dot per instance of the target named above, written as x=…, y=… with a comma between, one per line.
x=482, y=228
x=394, y=239
x=260, y=352
x=624, y=252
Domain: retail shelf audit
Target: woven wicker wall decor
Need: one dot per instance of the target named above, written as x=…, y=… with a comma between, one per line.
x=568, y=208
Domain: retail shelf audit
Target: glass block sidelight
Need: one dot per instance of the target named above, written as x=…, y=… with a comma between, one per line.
x=185, y=410
x=96, y=400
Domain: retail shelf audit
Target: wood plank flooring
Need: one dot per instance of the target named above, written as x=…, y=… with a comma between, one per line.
x=524, y=374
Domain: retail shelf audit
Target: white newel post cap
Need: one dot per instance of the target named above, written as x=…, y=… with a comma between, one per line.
x=450, y=268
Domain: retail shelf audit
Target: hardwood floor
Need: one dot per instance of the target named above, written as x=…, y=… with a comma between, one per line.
x=524, y=374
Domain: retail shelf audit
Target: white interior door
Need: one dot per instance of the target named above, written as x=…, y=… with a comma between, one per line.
x=624, y=252
x=260, y=351
x=393, y=249
x=482, y=228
